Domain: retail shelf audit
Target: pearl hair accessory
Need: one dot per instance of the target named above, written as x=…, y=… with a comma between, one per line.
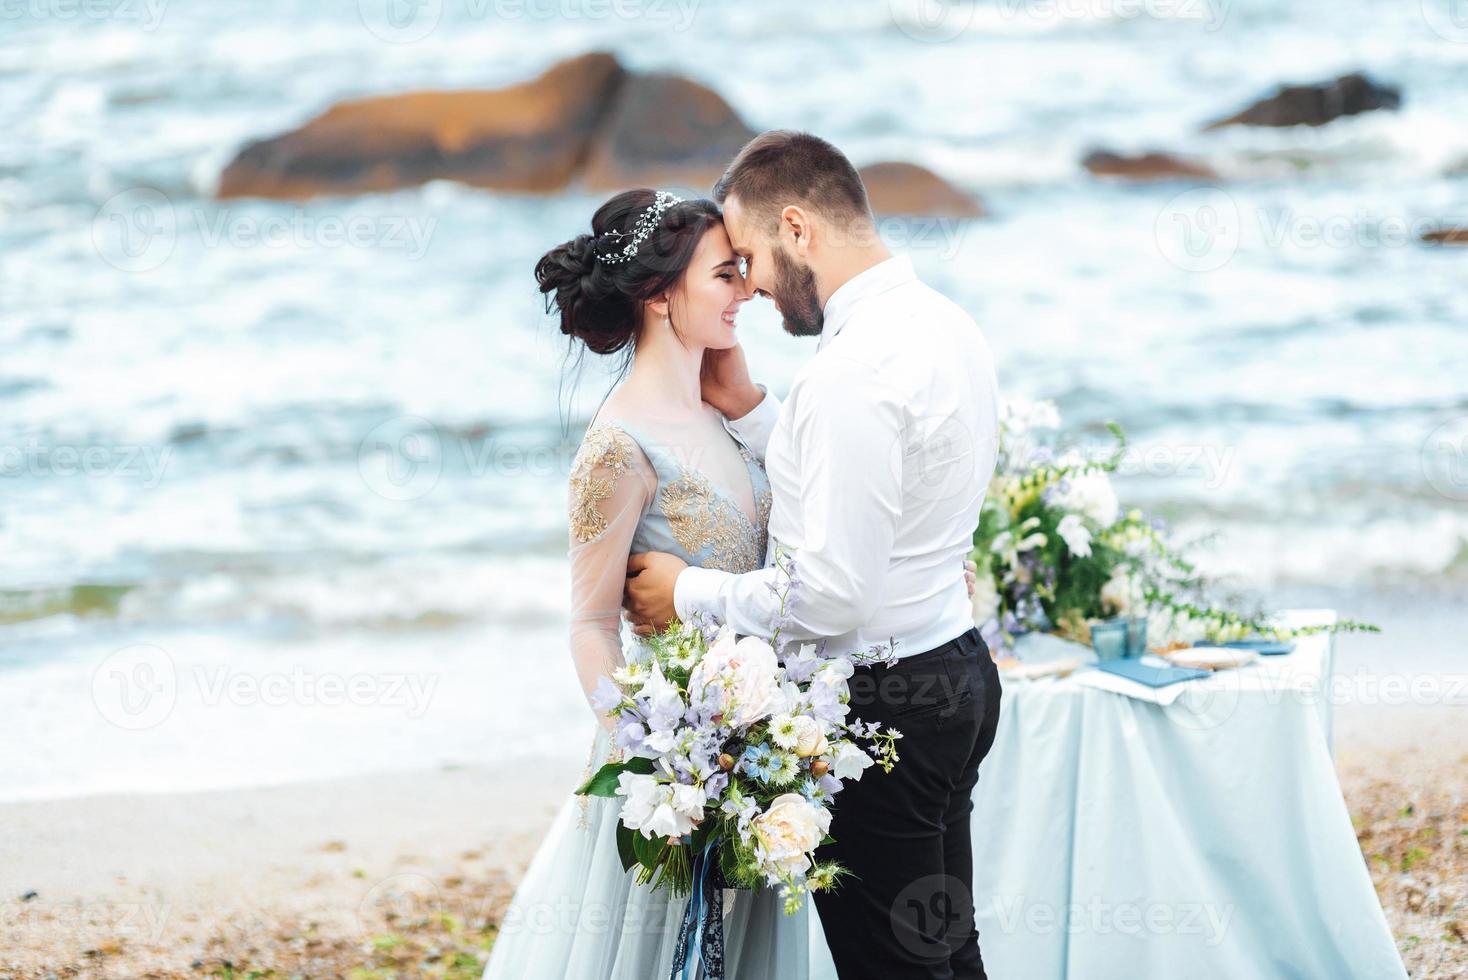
x=645, y=226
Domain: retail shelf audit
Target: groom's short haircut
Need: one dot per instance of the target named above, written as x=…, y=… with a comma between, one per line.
x=783, y=167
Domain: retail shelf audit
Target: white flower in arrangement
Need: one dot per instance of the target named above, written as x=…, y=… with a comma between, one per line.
x=1121, y=593
x=1089, y=493
x=806, y=737
x=849, y=761
x=1019, y=416
x=1075, y=534
x=788, y=831
x=658, y=809
x=631, y=675
x=745, y=672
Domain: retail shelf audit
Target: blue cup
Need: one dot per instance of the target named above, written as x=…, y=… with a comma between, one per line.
x=1136, y=637
x=1109, y=639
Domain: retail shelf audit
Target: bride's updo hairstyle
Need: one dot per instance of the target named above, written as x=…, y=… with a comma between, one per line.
x=640, y=243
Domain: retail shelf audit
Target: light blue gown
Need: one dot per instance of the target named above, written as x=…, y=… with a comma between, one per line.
x=576, y=914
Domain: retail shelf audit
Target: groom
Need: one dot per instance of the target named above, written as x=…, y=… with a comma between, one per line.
x=878, y=460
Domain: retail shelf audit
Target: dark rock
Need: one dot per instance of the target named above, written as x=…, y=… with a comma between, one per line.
x=528, y=137
x=661, y=131
x=1316, y=105
x=1446, y=236
x=907, y=189
x=1148, y=166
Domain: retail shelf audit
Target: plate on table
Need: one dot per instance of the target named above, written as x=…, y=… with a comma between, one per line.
x=1213, y=658
x=1014, y=668
x=1265, y=648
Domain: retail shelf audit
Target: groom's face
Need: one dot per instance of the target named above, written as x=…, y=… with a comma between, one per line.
x=773, y=270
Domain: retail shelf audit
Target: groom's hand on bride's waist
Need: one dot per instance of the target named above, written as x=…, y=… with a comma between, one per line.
x=648, y=597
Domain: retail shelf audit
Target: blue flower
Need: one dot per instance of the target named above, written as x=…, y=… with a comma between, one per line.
x=758, y=761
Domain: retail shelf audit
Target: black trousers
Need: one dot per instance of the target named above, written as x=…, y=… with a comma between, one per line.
x=907, y=910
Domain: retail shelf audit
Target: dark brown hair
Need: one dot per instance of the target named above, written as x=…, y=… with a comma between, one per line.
x=601, y=302
x=783, y=167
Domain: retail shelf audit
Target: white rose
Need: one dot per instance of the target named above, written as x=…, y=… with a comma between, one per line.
x=788, y=831
x=746, y=675
x=808, y=736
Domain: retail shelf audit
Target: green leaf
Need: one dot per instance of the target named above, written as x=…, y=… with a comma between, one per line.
x=648, y=852
x=604, y=782
x=626, y=849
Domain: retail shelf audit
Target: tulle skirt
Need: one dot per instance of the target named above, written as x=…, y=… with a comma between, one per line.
x=578, y=916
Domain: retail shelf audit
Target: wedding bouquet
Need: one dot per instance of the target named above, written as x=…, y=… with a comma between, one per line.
x=735, y=747
x=1056, y=553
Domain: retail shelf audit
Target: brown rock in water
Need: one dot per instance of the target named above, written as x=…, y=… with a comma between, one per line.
x=662, y=131
x=1316, y=105
x=910, y=190
x=1148, y=166
x=1446, y=236
x=528, y=137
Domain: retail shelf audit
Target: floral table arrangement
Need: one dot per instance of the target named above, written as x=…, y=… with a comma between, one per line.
x=1056, y=554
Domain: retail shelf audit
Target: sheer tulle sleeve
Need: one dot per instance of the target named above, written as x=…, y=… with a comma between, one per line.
x=612, y=485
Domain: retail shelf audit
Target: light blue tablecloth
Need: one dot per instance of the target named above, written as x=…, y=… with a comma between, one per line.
x=1115, y=838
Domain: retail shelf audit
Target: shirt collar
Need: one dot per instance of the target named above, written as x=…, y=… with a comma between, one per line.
x=872, y=282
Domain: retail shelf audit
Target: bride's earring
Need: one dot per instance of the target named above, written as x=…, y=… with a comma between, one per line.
x=667, y=322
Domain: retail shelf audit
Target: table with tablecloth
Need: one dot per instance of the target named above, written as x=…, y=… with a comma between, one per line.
x=1115, y=837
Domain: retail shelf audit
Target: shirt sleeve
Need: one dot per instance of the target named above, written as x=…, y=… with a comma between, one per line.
x=612, y=484
x=848, y=430
x=754, y=428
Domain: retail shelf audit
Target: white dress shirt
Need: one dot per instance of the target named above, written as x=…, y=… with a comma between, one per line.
x=878, y=460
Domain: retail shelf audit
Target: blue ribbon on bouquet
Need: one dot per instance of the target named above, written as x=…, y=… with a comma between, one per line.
x=701, y=936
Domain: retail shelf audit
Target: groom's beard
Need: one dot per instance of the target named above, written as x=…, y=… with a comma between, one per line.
x=795, y=294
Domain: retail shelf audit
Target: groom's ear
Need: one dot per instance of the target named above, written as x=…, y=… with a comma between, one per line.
x=795, y=228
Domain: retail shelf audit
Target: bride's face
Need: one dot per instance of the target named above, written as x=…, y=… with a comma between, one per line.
x=708, y=297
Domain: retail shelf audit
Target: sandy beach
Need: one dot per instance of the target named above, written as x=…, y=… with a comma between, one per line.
x=408, y=874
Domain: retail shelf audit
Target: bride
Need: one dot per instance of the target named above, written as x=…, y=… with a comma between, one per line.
x=658, y=282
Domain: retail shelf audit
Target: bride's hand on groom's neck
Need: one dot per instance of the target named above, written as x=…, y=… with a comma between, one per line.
x=726, y=384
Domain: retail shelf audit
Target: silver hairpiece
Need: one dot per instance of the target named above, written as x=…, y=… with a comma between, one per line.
x=645, y=226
